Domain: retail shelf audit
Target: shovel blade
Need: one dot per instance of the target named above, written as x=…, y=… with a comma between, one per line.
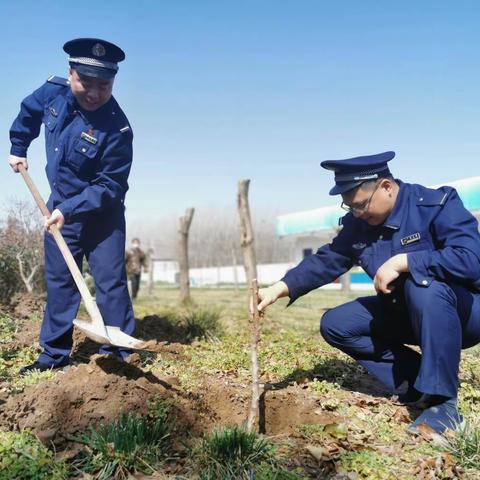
x=114, y=335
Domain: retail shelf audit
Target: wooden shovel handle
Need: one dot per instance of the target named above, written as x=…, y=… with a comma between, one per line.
x=90, y=305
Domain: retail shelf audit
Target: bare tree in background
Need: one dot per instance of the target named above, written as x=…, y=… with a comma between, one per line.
x=183, y=229
x=22, y=236
x=214, y=238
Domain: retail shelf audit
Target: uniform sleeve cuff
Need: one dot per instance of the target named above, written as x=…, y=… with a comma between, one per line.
x=18, y=151
x=417, y=265
x=66, y=210
x=293, y=294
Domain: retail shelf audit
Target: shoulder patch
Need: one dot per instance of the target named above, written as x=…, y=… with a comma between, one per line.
x=430, y=197
x=58, y=80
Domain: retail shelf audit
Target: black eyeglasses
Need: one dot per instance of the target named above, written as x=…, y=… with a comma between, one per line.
x=363, y=207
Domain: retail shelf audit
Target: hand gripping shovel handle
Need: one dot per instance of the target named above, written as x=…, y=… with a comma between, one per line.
x=90, y=305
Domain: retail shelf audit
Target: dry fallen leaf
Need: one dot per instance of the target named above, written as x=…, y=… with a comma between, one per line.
x=401, y=416
x=316, y=452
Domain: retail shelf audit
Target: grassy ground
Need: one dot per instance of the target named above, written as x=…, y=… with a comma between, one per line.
x=366, y=438
x=371, y=444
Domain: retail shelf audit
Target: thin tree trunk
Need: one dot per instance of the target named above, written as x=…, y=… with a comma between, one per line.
x=183, y=280
x=151, y=264
x=253, y=416
x=26, y=280
x=235, y=273
x=247, y=240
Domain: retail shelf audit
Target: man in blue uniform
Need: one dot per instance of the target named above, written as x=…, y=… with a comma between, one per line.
x=89, y=155
x=421, y=247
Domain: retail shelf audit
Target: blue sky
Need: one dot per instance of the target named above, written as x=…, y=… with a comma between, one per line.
x=217, y=91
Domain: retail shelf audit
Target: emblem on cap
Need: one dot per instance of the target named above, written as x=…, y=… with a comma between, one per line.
x=98, y=50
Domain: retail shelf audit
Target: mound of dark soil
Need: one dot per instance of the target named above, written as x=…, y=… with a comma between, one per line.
x=82, y=396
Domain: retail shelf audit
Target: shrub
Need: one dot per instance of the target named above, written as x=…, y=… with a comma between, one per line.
x=10, y=281
x=23, y=457
x=130, y=444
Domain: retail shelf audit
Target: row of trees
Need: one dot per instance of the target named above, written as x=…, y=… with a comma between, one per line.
x=214, y=238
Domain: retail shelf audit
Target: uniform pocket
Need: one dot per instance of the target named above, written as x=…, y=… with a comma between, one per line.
x=413, y=247
x=50, y=121
x=82, y=156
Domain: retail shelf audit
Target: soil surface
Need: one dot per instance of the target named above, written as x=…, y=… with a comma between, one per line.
x=88, y=394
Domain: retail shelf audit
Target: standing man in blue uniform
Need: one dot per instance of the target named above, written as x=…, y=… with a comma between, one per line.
x=421, y=247
x=89, y=155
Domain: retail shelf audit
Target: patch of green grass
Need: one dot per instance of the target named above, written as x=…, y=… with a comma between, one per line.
x=202, y=323
x=130, y=444
x=318, y=433
x=187, y=372
x=7, y=328
x=22, y=456
x=371, y=465
x=229, y=355
x=12, y=360
x=464, y=445
x=232, y=453
x=323, y=387
x=34, y=377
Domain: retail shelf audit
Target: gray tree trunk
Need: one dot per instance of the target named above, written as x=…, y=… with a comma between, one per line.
x=151, y=264
x=183, y=280
x=246, y=232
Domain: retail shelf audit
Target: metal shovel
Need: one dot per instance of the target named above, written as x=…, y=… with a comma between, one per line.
x=96, y=328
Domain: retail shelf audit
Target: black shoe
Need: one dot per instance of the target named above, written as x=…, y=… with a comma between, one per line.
x=410, y=396
x=426, y=401
x=41, y=367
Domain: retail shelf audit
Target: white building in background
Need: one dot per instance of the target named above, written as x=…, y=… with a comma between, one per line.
x=166, y=271
x=313, y=228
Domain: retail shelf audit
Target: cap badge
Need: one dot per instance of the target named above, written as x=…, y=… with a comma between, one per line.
x=98, y=50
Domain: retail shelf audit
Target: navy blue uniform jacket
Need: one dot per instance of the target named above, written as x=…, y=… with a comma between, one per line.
x=438, y=234
x=89, y=154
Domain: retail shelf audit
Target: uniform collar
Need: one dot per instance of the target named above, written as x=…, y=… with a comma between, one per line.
x=394, y=220
x=74, y=105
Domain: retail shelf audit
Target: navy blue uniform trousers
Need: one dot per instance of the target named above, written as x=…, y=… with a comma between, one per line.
x=442, y=319
x=101, y=239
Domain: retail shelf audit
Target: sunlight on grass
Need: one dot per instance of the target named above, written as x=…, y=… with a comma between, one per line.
x=210, y=342
x=464, y=444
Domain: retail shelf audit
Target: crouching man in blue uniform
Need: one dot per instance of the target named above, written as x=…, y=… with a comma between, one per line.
x=89, y=155
x=421, y=247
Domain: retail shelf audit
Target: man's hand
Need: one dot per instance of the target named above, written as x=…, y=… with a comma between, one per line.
x=56, y=218
x=14, y=161
x=267, y=296
x=389, y=272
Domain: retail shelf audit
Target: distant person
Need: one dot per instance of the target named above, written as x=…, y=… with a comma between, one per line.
x=421, y=247
x=89, y=154
x=135, y=259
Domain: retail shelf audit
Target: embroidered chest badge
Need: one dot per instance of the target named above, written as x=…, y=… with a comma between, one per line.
x=414, y=237
x=89, y=137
